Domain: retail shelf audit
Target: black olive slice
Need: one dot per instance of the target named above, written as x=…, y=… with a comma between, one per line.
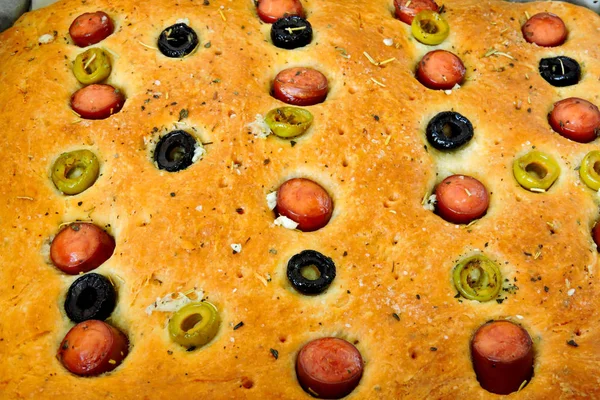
x=291, y=32
x=175, y=151
x=449, y=130
x=92, y=296
x=560, y=71
x=177, y=41
x=307, y=263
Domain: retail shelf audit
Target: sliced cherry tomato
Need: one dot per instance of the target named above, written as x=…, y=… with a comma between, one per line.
x=91, y=28
x=440, y=69
x=575, y=119
x=300, y=86
x=502, y=354
x=270, y=11
x=305, y=202
x=97, y=101
x=430, y=28
x=81, y=247
x=407, y=9
x=461, y=199
x=93, y=347
x=329, y=367
x=545, y=29
x=596, y=235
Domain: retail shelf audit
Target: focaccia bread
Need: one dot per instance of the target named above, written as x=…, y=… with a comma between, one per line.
x=393, y=295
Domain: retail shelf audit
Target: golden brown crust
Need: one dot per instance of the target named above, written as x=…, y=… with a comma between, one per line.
x=392, y=255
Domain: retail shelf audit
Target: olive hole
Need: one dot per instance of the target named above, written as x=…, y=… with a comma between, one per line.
x=451, y=131
x=474, y=274
x=289, y=118
x=596, y=167
x=429, y=26
x=180, y=41
x=190, y=322
x=75, y=172
x=536, y=169
x=91, y=68
x=87, y=298
x=176, y=153
x=310, y=272
x=88, y=64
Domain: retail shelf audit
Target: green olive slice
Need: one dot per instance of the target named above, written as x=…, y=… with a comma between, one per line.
x=195, y=324
x=536, y=171
x=477, y=278
x=288, y=122
x=74, y=172
x=429, y=27
x=590, y=170
x=92, y=66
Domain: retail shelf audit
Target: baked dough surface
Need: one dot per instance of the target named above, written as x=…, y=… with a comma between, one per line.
x=366, y=147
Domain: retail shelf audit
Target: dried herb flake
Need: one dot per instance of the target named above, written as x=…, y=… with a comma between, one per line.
x=183, y=114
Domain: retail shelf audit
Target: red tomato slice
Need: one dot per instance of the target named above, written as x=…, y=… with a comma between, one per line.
x=502, y=354
x=461, y=199
x=300, y=86
x=98, y=101
x=91, y=28
x=81, y=247
x=306, y=203
x=441, y=70
x=575, y=119
x=545, y=29
x=329, y=367
x=407, y=9
x=93, y=347
x=270, y=11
